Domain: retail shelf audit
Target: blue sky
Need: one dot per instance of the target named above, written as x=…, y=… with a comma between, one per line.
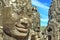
x=42, y=7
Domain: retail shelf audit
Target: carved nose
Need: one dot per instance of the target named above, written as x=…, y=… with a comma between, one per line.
x=24, y=24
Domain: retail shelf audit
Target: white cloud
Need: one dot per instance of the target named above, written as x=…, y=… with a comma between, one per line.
x=43, y=15
x=39, y=4
x=44, y=20
x=45, y=8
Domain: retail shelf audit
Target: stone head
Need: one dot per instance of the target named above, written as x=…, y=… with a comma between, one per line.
x=16, y=25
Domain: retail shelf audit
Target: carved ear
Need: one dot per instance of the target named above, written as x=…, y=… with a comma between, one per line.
x=6, y=13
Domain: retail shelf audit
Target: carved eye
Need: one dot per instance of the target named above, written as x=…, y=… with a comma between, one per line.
x=37, y=29
x=18, y=13
x=29, y=15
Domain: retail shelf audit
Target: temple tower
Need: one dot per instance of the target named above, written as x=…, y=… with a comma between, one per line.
x=52, y=31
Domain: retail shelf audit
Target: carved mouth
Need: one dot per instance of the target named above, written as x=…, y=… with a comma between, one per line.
x=21, y=29
x=24, y=26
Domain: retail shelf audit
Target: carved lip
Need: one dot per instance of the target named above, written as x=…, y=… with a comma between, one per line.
x=22, y=30
x=21, y=27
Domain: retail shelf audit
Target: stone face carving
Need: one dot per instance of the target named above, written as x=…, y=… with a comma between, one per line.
x=19, y=19
x=16, y=27
x=36, y=25
x=52, y=30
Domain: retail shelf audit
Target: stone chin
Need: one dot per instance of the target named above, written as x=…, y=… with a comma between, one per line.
x=20, y=33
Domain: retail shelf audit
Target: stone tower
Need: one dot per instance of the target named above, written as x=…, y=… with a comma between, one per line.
x=36, y=24
x=52, y=31
x=21, y=21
